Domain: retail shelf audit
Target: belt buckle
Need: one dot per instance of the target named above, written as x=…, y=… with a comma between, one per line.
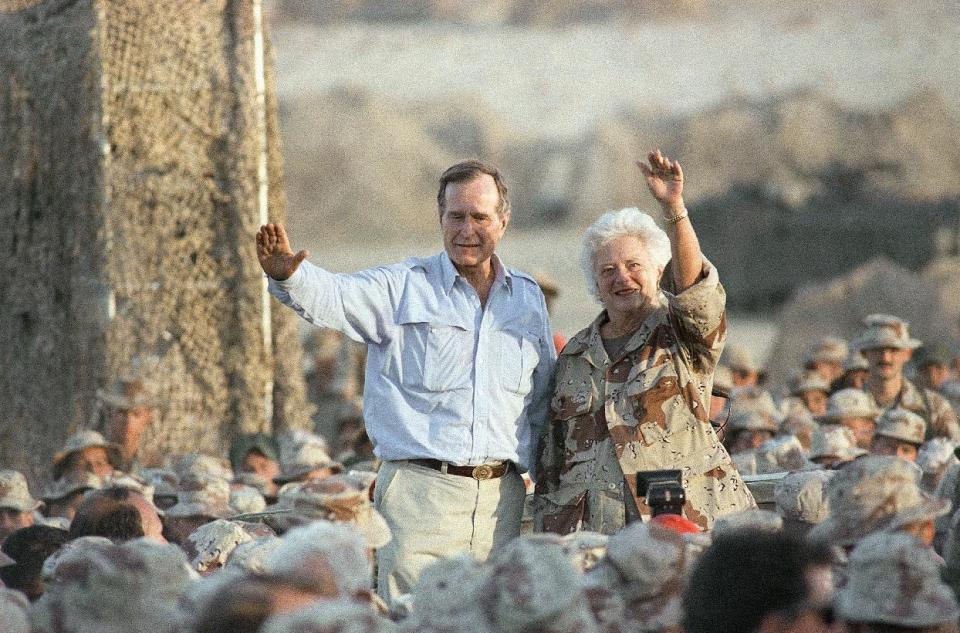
x=482, y=472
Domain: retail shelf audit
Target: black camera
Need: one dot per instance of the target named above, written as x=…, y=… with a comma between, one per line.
x=663, y=491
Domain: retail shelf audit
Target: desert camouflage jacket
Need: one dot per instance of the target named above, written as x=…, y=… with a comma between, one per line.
x=646, y=410
x=929, y=405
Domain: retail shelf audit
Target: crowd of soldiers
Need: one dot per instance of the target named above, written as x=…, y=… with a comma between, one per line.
x=282, y=535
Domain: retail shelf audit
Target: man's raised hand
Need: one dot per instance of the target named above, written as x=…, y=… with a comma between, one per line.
x=276, y=257
x=665, y=181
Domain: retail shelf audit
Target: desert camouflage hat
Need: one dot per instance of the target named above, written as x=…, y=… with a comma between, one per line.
x=14, y=493
x=739, y=358
x=202, y=497
x=894, y=579
x=848, y=403
x=640, y=581
x=69, y=484
x=752, y=519
x=251, y=555
x=79, y=441
x=902, y=425
x=200, y=465
x=214, y=542
x=333, y=616
x=802, y=496
x=340, y=499
x=751, y=421
x=323, y=553
x=246, y=500
x=808, y=381
x=306, y=458
x=829, y=349
x=97, y=587
x=875, y=494
x=834, y=442
x=254, y=480
x=127, y=393
x=781, y=454
x=756, y=399
x=936, y=454
x=884, y=330
x=14, y=611
x=533, y=586
x=449, y=592
x=855, y=361
x=584, y=548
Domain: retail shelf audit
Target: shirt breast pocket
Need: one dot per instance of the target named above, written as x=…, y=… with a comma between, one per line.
x=435, y=353
x=650, y=403
x=518, y=351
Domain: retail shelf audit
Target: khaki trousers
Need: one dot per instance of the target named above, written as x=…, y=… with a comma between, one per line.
x=432, y=515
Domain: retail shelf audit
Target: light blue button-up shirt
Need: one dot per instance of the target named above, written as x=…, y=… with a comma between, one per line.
x=446, y=378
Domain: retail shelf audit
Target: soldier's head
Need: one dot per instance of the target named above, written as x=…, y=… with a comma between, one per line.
x=750, y=580
x=886, y=344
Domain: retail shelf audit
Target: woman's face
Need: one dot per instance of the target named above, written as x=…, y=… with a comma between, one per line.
x=627, y=278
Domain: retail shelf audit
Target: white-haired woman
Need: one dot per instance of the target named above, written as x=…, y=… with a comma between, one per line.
x=632, y=390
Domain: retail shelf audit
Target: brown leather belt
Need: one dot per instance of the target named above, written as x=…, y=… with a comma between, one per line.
x=480, y=472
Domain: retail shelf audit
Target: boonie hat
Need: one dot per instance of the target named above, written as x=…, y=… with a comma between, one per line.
x=902, y=425
x=884, y=330
x=79, y=441
x=894, y=579
x=875, y=493
x=14, y=493
x=848, y=403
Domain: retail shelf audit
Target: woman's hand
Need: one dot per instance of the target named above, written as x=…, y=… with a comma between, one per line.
x=665, y=181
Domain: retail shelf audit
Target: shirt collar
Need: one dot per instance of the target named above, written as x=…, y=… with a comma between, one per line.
x=449, y=274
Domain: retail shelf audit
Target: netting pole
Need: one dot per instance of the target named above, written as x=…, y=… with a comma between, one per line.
x=262, y=193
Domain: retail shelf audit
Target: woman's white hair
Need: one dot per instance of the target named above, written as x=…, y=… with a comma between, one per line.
x=614, y=224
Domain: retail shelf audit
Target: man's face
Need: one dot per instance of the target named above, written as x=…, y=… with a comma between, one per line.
x=886, y=362
x=258, y=463
x=627, y=278
x=933, y=375
x=815, y=401
x=747, y=440
x=829, y=370
x=126, y=426
x=12, y=520
x=743, y=378
x=470, y=224
x=862, y=429
x=883, y=445
x=92, y=459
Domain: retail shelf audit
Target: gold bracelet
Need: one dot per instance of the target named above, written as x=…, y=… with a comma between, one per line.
x=677, y=217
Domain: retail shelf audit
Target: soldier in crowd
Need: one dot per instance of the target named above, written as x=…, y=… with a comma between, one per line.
x=855, y=410
x=812, y=389
x=119, y=514
x=932, y=363
x=17, y=506
x=86, y=452
x=877, y=494
x=887, y=346
x=632, y=390
x=825, y=357
x=899, y=433
x=801, y=499
x=62, y=497
x=832, y=446
x=254, y=459
x=893, y=584
x=856, y=370
x=29, y=547
x=127, y=408
x=743, y=367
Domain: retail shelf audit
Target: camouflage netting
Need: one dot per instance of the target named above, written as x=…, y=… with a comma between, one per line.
x=129, y=141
